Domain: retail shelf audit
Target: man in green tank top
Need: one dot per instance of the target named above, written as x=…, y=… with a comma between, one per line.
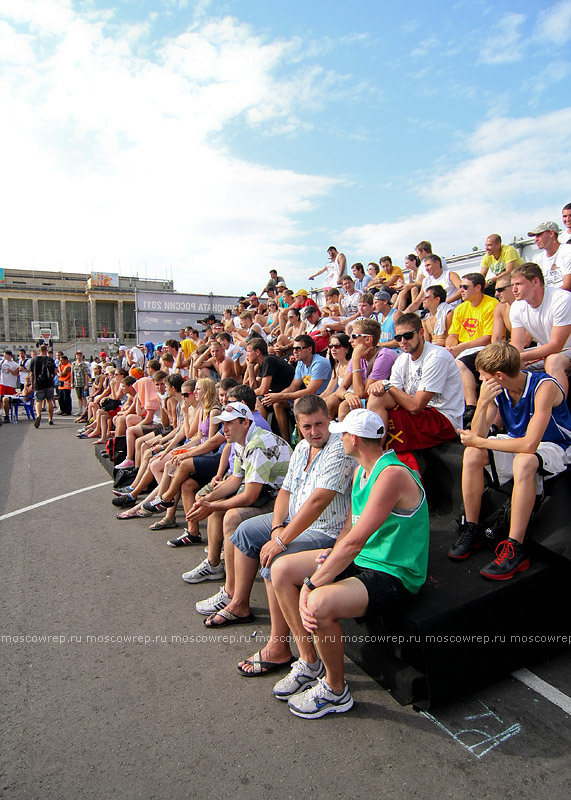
x=378, y=560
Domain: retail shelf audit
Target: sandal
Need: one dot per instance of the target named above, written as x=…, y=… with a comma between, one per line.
x=163, y=524
x=262, y=667
x=137, y=515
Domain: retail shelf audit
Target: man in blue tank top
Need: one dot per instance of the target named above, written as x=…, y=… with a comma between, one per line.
x=537, y=445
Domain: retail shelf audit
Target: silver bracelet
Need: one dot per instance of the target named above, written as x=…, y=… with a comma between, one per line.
x=281, y=544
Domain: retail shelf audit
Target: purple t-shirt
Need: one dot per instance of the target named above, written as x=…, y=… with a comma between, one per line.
x=382, y=365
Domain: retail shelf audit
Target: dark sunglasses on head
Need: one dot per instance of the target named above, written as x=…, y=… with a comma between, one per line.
x=408, y=336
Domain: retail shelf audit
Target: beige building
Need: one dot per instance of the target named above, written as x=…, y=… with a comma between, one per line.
x=84, y=309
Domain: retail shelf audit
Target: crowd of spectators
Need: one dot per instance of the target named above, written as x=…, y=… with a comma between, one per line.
x=291, y=425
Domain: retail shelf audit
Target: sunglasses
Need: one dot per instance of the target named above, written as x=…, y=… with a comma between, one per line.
x=408, y=336
x=465, y=286
x=188, y=394
x=357, y=335
x=500, y=289
x=295, y=349
x=331, y=346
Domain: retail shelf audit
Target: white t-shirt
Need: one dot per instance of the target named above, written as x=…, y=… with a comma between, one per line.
x=565, y=236
x=445, y=281
x=441, y=314
x=350, y=303
x=555, y=267
x=435, y=371
x=555, y=310
x=7, y=378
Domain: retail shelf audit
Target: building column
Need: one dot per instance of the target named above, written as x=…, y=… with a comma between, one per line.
x=35, y=312
x=92, y=319
x=6, y=330
x=120, y=324
x=63, y=334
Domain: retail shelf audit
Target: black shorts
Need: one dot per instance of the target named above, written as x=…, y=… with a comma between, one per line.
x=385, y=591
x=470, y=363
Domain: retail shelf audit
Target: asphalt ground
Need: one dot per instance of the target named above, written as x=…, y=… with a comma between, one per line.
x=127, y=699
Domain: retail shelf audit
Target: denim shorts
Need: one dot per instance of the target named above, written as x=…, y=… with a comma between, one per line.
x=250, y=536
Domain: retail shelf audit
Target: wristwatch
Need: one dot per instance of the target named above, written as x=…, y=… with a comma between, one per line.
x=309, y=584
x=386, y=385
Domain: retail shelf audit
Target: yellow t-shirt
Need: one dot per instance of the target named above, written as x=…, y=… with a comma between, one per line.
x=507, y=254
x=469, y=322
x=188, y=347
x=385, y=275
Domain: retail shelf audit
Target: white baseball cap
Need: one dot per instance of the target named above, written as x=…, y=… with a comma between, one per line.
x=234, y=411
x=361, y=422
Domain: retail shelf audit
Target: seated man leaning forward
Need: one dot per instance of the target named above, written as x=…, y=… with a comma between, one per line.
x=379, y=559
x=312, y=374
x=537, y=446
x=310, y=510
x=260, y=466
x=423, y=402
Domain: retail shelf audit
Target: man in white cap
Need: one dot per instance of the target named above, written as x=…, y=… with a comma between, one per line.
x=553, y=258
x=260, y=466
x=379, y=559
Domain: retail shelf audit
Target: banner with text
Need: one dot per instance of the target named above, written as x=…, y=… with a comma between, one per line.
x=160, y=315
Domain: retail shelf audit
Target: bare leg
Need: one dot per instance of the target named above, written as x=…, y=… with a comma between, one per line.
x=469, y=384
x=277, y=648
x=473, y=482
x=523, y=495
x=328, y=604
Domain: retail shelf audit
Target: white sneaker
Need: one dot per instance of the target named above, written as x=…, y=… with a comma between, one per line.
x=301, y=676
x=320, y=700
x=215, y=603
x=205, y=572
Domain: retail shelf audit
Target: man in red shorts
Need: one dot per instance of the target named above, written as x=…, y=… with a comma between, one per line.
x=9, y=372
x=423, y=401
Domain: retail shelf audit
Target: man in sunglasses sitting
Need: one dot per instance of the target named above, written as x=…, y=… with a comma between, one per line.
x=470, y=331
x=422, y=403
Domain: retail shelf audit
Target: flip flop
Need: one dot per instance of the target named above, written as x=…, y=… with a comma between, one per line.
x=262, y=667
x=229, y=619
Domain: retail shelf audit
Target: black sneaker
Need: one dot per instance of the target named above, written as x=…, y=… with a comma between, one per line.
x=37, y=421
x=124, y=501
x=510, y=558
x=185, y=540
x=470, y=539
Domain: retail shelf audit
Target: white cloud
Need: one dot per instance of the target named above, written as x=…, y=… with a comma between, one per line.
x=554, y=24
x=505, y=42
x=117, y=152
x=512, y=179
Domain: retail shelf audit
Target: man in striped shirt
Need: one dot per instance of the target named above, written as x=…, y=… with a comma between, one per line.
x=309, y=511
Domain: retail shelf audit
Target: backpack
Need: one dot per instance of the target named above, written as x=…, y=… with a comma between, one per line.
x=47, y=371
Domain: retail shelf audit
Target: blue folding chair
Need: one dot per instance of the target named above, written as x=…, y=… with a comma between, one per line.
x=26, y=403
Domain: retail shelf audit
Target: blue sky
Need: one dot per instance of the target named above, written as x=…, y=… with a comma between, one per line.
x=212, y=141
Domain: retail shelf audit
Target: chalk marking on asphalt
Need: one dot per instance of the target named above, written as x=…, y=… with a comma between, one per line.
x=53, y=500
x=485, y=741
x=544, y=689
